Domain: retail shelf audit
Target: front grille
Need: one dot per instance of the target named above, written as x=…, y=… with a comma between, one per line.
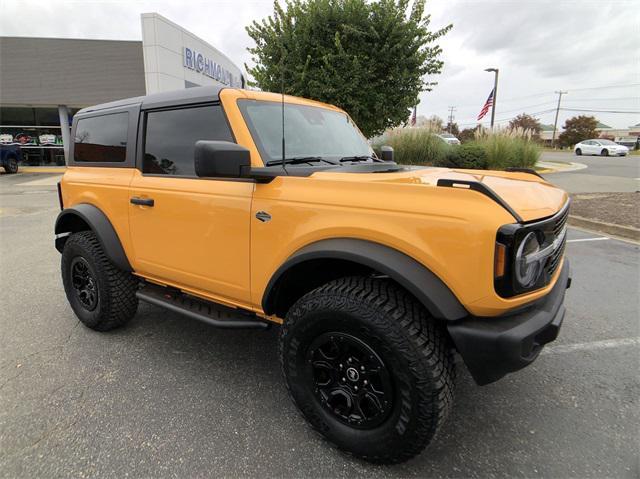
x=554, y=259
x=554, y=227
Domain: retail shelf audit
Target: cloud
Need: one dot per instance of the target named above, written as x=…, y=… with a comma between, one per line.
x=540, y=46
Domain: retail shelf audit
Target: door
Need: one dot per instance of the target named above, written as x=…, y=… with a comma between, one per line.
x=189, y=232
x=592, y=147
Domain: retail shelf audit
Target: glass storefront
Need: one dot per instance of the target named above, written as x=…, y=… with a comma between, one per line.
x=37, y=131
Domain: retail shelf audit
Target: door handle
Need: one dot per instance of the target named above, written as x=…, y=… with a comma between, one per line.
x=142, y=201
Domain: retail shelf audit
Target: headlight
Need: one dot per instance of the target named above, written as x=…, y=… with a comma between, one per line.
x=528, y=265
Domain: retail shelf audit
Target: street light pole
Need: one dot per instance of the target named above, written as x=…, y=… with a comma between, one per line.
x=555, y=122
x=495, y=94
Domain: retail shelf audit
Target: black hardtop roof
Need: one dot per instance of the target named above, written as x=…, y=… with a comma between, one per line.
x=185, y=96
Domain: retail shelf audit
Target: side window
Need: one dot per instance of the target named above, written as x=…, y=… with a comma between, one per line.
x=171, y=135
x=101, y=139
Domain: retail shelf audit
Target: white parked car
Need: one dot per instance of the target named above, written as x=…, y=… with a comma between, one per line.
x=600, y=147
x=449, y=138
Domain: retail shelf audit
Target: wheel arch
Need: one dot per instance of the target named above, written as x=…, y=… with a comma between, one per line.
x=325, y=260
x=84, y=217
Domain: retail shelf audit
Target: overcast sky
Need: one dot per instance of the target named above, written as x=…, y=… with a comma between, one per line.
x=589, y=48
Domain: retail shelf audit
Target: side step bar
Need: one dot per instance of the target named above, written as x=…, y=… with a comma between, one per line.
x=207, y=312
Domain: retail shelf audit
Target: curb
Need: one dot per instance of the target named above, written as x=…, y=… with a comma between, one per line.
x=603, y=227
x=559, y=166
x=42, y=169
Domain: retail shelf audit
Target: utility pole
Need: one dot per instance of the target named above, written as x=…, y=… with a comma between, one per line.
x=451, y=110
x=495, y=94
x=555, y=122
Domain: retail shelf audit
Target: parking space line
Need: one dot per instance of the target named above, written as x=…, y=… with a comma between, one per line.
x=592, y=346
x=599, y=238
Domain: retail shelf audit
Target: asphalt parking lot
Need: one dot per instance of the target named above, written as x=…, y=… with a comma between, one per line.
x=170, y=397
x=602, y=174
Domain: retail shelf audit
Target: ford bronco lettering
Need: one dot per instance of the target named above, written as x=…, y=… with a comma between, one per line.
x=376, y=273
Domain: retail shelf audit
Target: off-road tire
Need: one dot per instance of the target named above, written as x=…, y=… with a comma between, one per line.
x=116, y=289
x=578, y=152
x=414, y=348
x=10, y=165
x=604, y=152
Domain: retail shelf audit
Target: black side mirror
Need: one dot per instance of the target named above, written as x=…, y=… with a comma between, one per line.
x=221, y=159
x=387, y=153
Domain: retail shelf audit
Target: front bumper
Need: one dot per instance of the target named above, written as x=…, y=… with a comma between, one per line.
x=493, y=347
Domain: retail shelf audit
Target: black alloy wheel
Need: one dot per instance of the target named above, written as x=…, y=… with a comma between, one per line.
x=350, y=380
x=84, y=283
x=604, y=152
x=102, y=296
x=368, y=368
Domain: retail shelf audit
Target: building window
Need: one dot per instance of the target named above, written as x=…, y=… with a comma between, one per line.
x=171, y=136
x=36, y=130
x=101, y=139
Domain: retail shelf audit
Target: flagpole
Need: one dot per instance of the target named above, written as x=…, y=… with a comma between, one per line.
x=495, y=94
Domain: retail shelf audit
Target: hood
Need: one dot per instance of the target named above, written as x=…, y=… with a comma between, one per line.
x=528, y=195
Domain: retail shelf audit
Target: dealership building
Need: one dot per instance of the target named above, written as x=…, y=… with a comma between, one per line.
x=45, y=81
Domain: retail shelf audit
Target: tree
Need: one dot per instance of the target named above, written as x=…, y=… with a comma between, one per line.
x=528, y=124
x=468, y=134
x=434, y=122
x=369, y=58
x=577, y=129
x=452, y=127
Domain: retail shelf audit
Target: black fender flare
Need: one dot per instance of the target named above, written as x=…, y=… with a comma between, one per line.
x=71, y=220
x=428, y=288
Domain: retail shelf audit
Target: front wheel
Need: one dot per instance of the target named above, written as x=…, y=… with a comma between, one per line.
x=604, y=152
x=102, y=296
x=11, y=165
x=368, y=368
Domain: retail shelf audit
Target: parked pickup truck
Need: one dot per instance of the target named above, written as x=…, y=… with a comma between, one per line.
x=245, y=209
x=10, y=156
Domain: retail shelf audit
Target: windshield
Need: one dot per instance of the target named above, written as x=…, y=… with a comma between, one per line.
x=309, y=131
x=606, y=142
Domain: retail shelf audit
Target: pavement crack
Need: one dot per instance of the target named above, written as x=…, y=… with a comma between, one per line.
x=20, y=361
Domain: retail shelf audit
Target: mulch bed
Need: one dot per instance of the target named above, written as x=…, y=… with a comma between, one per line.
x=617, y=208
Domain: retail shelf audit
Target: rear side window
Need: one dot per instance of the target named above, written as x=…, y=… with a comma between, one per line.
x=101, y=139
x=171, y=135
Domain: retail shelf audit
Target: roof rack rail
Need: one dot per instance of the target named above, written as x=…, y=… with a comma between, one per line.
x=480, y=188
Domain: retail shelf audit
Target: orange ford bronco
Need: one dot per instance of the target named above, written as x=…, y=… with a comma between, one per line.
x=377, y=273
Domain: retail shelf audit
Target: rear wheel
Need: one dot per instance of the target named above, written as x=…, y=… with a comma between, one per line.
x=11, y=165
x=102, y=296
x=368, y=368
x=604, y=152
x=578, y=152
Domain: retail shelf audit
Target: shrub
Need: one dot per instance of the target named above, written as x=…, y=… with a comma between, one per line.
x=468, y=156
x=415, y=146
x=495, y=150
x=508, y=148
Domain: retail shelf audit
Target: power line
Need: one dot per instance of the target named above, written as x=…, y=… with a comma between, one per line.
x=604, y=87
x=637, y=98
x=600, y=111
x=521, y=109
x=502, y=120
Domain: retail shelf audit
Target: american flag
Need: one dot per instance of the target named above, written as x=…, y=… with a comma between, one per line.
x=486, y=106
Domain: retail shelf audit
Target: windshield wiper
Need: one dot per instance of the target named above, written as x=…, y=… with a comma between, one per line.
x=296, y=160
x=361, y=158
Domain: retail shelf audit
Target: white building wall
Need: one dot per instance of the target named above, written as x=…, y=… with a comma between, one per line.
x=171, y=56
